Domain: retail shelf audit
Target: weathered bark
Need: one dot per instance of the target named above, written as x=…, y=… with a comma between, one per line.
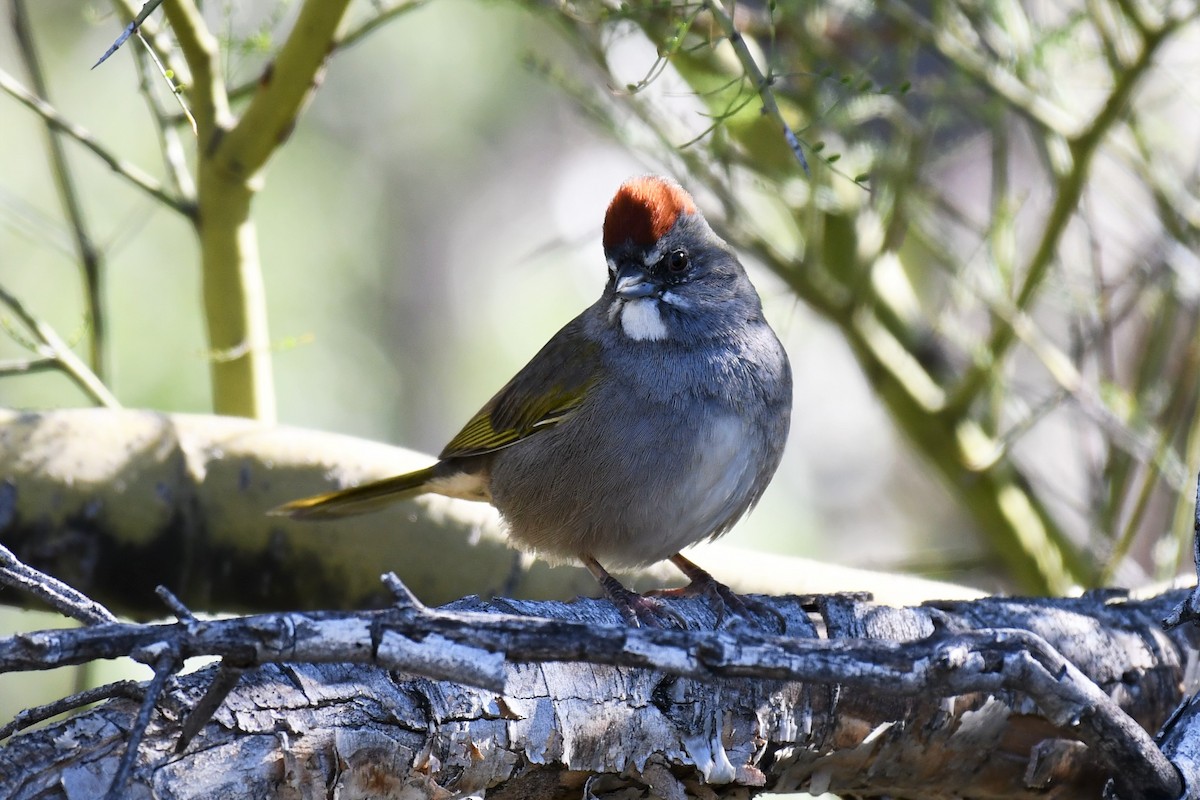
x=1180, y=742
x=899, y=721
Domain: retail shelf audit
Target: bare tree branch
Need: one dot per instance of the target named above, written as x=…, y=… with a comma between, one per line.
x=32, y=716
x=52, y=346
x=1077, y=689
x=147, y=9
x=129, y=172
x=90, y=257
x=166, y=665
x=50, y=590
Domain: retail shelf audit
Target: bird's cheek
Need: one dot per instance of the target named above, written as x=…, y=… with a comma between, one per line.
x=676, y=300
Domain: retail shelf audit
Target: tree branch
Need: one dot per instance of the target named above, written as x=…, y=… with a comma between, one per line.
x=137, y=19
x=759, y=82
x=283, y=88
x=90, y=258
x=1044, y=685
x=52, y=346
x=52, y=591
x=231, y=157
x=181, y=500
x=1068, y=189
x=129, y=172
x=210, y=104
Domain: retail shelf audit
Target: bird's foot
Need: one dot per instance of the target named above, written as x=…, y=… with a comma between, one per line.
x=643, y=610
x=638, y=610
x=722, y=599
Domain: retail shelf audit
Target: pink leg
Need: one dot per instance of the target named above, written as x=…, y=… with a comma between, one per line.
x=636, y=609
x=721, y=596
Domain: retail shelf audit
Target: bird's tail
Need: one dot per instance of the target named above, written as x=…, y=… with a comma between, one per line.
x=358, y=499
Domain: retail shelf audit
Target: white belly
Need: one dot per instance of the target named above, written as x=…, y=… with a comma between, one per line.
x=720, y=481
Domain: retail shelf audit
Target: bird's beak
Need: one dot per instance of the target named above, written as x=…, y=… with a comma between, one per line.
x=633, y=282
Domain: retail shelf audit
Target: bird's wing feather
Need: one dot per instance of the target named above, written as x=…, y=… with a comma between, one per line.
x=545, y=392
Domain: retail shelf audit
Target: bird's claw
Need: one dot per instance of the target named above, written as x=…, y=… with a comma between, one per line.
x=645, y=610
x=724, y=600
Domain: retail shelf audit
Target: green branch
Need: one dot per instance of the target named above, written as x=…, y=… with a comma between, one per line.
x=759, y=81
x=1068, y=189
x=283, y=88
x=232, y=154
x=210, y=105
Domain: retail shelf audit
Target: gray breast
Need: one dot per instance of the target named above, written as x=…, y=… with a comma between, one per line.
x=661, y=456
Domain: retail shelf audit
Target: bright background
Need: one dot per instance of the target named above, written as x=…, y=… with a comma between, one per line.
x=435, y=218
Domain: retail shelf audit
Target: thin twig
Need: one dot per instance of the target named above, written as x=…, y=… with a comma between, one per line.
x=69, y=601
x=130, y=29
x=210, y=103
x=225, y=681
x=129, y=172
x=343, y=42
x=176, y=88
x=26, y=366
x=181, y=612
x=162, y=43
x=405, y=599
x=90, y=257
x=759, y=81
x=164, y=667
x=53, y=346
x=169, y=141
x=131, y=690
x=972, y=61
x=368, y=26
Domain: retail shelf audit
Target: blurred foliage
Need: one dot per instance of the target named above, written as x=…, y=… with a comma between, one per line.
x=994, y=221
x=999, y=220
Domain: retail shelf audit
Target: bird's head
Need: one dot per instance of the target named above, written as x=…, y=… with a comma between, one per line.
x=669, y=275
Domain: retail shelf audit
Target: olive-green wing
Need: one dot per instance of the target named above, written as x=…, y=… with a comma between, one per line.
x=544, y=392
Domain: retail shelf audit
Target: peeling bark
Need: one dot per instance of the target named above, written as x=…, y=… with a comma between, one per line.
x=554, y=727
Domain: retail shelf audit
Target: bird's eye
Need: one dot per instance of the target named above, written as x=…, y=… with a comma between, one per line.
x=677, y=261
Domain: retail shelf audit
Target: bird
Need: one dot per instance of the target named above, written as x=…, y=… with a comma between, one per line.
x=653, y=420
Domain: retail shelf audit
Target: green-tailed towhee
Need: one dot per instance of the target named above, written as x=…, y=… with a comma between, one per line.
x=653, y=420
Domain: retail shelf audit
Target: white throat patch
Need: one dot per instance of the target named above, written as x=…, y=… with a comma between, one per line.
x=641, y=320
